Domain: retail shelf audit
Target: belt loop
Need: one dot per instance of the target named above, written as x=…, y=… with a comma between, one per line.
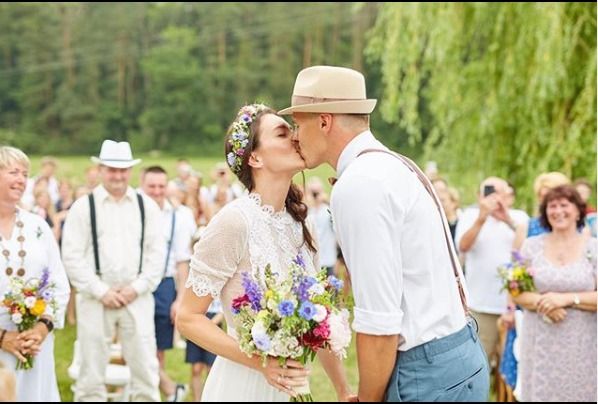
x=428, y=354
x=472, y=331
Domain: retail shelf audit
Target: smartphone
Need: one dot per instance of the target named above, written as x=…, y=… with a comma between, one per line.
x=489, y=189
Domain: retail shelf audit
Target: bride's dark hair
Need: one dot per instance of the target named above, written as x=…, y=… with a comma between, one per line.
x=242, y=138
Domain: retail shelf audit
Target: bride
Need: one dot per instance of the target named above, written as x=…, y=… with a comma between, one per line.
x=265, y=227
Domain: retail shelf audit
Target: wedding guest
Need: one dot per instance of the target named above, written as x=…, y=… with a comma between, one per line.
x=28, y=248
x=486, y=234
x=558, y=336
x=114, y=254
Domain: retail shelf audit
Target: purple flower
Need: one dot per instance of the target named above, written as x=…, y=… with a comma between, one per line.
x=43, y=282
x=336, y=283
x=240, y=152
x=307, y=310
x=286, y=308
x=517, y=257
x=253, y=292
x=302, y=290
x=299, y=261
x=246, y=118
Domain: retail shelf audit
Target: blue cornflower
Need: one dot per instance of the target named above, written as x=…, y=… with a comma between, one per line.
x=307, y=310
x=335, y=282
x=246, y=118
x=286, y=308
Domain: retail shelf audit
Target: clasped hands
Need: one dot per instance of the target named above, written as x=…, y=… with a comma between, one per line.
x=24, y=343
x=552, y=307
x=117, y=297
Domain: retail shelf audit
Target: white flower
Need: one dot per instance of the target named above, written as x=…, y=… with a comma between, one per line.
x=316, y=289
x=17, y=318
x=340, y=332
x=320, y=313
x=30, y=301
x=258, y=329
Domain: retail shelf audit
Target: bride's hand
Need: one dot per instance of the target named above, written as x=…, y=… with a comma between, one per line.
x=284, y=378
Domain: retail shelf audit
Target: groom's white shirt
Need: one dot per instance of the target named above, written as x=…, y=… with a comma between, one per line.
x=391, y=236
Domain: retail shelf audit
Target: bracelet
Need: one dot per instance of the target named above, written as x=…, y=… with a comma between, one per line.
x=2, y=338
x=48, y=323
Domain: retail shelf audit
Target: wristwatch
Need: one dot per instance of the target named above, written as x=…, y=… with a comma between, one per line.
x=576, y=300
x=48, y=323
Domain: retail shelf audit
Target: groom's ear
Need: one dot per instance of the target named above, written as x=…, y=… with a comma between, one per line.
x=255, y=161
x=325, y=122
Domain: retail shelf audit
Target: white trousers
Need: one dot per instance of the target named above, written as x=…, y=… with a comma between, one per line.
x=134, y=325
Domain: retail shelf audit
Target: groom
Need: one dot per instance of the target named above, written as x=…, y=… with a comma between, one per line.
x=414, y=342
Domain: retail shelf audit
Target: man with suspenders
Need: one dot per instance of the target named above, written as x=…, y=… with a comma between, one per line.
x=178, y=227
x=414, y=342
x=114, y=255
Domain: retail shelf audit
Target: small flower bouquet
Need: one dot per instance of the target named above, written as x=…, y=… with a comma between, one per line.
x=517, y=275
x=27, y=302
x=292, y=318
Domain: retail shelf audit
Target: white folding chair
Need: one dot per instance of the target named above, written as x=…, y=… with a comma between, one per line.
x=117, y=377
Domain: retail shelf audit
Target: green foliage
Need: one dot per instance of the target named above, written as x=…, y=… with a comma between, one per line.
x=165, y=76
x=509, y=86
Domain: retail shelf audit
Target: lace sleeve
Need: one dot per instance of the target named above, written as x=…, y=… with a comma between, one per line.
x=217, y=254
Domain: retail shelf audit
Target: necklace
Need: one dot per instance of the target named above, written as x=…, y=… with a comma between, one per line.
x=22, y=253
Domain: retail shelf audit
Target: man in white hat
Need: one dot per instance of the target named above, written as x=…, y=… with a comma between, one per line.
x=113, y=252
x=414, y=342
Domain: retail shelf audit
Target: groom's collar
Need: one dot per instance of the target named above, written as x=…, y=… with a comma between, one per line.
x=352, y=149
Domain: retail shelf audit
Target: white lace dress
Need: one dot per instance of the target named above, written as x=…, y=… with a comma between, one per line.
x=244, y=236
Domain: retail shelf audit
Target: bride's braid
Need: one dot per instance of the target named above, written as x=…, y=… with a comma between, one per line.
x=241, y=139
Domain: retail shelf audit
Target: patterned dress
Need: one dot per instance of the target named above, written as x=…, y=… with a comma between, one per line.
x=558, y=361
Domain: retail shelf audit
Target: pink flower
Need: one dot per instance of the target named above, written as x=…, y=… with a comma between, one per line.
x=322, y=330
x=239, y=302
x=513, y=285
x=531, y=271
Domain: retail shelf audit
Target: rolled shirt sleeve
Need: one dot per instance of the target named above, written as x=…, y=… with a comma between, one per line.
x=364, y=218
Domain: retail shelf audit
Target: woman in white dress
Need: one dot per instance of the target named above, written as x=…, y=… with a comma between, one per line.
x=28, y=247
x=265, y=227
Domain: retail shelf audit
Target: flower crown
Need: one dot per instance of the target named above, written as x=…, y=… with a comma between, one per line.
x=240, y=135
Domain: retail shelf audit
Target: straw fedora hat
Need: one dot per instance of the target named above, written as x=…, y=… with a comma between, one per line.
x=116, y=155
x=330, y=89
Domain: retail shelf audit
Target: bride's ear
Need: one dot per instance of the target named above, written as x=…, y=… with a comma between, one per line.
x=255, y=161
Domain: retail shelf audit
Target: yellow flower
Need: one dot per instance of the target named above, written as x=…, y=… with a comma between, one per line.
x=269, y=294
x=38, y=308
x=518, y=273
x=515, y=292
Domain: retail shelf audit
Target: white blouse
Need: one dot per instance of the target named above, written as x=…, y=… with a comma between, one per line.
x=245, y=236
x=38, y=383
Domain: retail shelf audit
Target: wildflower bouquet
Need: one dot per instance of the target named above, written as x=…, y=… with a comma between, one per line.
x=26, y=302
x=517, y=276
x=292, y=318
